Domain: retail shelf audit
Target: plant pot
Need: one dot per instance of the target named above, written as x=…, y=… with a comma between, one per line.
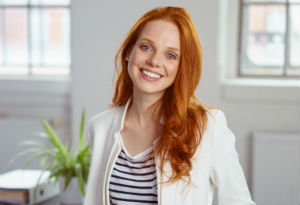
x=72, y=195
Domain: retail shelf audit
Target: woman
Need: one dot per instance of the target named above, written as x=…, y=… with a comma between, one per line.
x=159, y=144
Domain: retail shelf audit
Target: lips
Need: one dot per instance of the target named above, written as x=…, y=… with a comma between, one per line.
x=150, y=76
x=151, y=73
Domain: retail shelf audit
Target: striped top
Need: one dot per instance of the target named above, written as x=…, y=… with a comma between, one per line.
x=133, y=178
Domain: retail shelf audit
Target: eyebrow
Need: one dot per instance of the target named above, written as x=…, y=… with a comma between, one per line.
x=171, y=48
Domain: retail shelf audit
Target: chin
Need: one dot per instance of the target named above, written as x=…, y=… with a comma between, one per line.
x=150, y=91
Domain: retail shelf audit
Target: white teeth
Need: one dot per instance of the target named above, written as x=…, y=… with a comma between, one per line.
x=152, y=75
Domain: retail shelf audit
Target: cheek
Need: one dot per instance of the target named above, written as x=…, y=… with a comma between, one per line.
x=136, y=55
x=173, y=71
x=131, y=61
x=129, y=69
x=131, y=73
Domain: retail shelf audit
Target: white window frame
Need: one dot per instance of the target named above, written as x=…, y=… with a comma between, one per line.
x=29, y=65
x=235, y=88
x=28, y=94
x=241, y=43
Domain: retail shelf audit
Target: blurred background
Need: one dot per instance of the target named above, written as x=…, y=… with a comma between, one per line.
x=57, y=58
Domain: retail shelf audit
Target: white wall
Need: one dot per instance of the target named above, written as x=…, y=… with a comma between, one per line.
x=22, y=102
x=98, y=28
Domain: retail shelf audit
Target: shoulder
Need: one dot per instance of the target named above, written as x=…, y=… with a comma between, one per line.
x=106, y=116
x=217, y=131
x=103, y=122
x=102, y=117
x=219, y=134
x=215, y=117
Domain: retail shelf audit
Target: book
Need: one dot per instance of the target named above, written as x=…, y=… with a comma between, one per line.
x=18, y=186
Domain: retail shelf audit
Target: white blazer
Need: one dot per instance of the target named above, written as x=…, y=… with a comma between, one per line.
x=215, y=164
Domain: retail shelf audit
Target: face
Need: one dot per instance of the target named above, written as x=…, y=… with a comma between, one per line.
x=154, y=59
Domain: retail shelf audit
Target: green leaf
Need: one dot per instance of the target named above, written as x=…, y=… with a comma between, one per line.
x=35, y=143
x=81, y=131
x=80, y=178
x=83, y=153
x=58, y=158
x=22, y=154
x=40, y=134
x=44, y=160
x=67, y=179
x=53, y=137
x=34, y=158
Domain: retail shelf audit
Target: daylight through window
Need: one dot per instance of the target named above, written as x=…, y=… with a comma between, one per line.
x=270, y=38
x=35, y=37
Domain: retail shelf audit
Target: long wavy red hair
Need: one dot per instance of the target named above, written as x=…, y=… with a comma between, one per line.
x=183, y=115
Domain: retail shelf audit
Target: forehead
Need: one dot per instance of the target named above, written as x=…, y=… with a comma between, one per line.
x=162, y=33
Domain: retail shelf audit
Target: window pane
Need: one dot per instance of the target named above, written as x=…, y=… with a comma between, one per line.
x=34, y=2
x=1, y=37
x=267, y=1
x=56, y=37
x=51, y=71
x=42, y=50
x=50, y=2
x=55, y=2
x=16, y=37
x=294, y=1
x=14, y=2
x=295, y=35
x=14, y=70
x=293, y=72
x=36, y=40
x=265, y=36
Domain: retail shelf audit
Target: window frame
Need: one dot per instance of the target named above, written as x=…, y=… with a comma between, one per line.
x=246, y=89
x=29, y=65
x=243, y=4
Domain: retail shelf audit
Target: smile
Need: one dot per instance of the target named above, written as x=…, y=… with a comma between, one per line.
x=150, y=74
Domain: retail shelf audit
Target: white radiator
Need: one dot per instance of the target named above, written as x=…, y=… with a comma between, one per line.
x=276, y=168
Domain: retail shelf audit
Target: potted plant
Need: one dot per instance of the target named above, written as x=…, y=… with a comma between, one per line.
x=61, y=160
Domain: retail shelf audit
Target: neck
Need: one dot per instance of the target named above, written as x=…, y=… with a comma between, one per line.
x=139, y=110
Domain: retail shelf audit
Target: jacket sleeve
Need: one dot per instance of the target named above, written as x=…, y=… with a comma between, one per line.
x=226, y=172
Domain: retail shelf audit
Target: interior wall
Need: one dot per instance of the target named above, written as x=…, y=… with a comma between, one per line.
x=22, y=104
x=98, y=28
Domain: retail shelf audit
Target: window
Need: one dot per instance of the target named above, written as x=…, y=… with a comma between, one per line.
x=35, y=37
x=269, y=38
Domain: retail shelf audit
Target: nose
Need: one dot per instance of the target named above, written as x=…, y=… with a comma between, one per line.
x=154, y=60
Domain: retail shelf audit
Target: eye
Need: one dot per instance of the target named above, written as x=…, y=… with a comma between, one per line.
x=145, y=47
x=171, y=56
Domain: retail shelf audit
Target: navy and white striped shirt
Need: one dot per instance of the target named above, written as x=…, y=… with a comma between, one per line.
x=133, y=179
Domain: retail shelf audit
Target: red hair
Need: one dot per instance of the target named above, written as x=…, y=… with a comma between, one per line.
x=183, y=115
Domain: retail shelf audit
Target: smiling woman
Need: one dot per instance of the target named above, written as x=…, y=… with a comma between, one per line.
x=160, y=144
